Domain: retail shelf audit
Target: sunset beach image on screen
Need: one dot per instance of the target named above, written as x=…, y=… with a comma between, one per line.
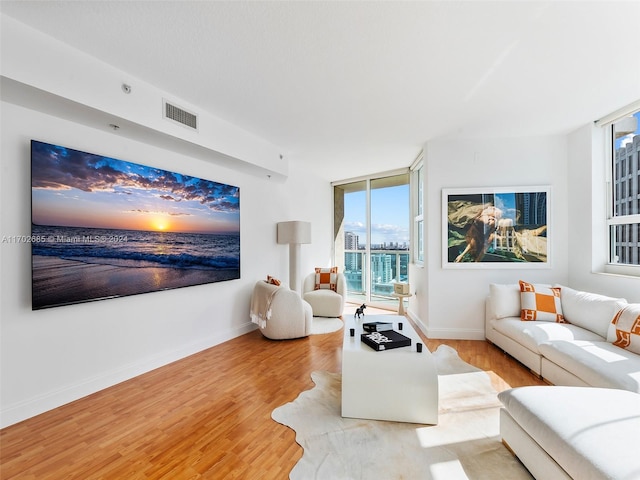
x=104, y=228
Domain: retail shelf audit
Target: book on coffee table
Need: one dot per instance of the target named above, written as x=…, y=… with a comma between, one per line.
x=385, y=340
x=377, y=326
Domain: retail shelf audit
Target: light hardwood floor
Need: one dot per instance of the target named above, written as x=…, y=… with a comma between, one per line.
x=206, y=416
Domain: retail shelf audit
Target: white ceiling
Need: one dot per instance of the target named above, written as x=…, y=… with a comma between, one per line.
x=351, y=88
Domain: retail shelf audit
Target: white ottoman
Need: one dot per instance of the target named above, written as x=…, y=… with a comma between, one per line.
x=324, y=303
x=573, y=432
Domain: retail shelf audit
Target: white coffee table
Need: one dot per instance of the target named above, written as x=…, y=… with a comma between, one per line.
x=398, y=384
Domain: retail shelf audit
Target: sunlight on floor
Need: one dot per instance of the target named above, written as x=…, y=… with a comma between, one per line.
x=448, y=470
x=452, y=434
x=390, y=304
x=350, y=309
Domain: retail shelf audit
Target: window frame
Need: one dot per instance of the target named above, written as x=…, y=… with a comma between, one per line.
x=417, y=210
x=608, y=125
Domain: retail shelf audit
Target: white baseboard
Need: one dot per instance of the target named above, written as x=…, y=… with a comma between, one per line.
x=31, y=407
x=447, y=333
x=455, y=334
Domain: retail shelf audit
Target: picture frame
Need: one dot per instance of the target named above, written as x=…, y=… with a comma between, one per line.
x=103, y=228
x=496, y=227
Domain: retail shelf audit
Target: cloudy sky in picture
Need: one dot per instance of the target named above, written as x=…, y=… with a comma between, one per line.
x=78, y=189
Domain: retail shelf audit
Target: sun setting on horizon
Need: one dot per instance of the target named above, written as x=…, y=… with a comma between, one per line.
x=160, y=224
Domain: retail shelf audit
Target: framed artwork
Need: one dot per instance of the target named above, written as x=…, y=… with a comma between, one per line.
x=104, y=228
x=496, y=227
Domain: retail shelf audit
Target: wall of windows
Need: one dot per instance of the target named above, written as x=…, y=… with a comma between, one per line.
x=372, y=236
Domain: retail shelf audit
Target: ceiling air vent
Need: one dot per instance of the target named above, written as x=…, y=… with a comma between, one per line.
x=180, y=115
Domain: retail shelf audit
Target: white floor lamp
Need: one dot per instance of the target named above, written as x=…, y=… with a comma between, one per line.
x=294, y=233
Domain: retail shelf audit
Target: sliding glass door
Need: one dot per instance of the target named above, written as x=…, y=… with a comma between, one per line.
x=371, y=232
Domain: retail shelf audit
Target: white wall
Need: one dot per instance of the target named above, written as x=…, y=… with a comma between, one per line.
x=53, y=356
x=450, y=302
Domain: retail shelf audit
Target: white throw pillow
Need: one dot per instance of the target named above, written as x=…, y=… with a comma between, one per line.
x=505, y=300
x=590, y=310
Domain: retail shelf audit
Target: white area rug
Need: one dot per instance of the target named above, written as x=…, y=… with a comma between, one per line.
x=321, y=325
x=464, y=445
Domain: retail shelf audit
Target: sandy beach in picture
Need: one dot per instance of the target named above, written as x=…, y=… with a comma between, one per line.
x=64, y=282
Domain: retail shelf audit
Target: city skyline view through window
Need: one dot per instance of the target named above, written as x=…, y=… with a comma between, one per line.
x=376, y=256
x=389, y=216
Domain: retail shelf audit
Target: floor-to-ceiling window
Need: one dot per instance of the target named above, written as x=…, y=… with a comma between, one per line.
x=371, y=232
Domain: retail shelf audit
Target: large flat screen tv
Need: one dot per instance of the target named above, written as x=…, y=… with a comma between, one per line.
x=105, y=228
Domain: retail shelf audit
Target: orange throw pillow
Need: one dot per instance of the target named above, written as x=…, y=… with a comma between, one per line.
x=539, y=302
x=327, y=279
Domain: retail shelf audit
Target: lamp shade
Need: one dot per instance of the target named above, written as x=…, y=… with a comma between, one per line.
x=295, y=232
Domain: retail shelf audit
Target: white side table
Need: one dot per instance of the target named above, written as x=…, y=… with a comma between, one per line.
x=401, y=297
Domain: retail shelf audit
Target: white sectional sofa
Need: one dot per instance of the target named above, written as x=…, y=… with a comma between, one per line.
x=586, y=426
x=578, y=353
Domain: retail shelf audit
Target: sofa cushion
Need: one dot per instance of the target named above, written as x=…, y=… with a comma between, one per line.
x=589, y=432
x=539, y=302
x=327, y=279
x=589, y=310
x=532, y=334
x=505, y=300
x=597, y=363
x=627, y=325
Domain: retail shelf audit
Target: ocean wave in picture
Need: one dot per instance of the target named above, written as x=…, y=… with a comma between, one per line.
x=137, y=249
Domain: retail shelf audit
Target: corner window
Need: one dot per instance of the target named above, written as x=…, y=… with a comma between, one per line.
x=371, y=236
x=623, y=219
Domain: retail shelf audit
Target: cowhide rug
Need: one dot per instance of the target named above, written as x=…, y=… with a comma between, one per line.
x=464, y=445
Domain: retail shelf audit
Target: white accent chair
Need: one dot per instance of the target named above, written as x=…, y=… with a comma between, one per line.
x=325, y=302
x=280, y=312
